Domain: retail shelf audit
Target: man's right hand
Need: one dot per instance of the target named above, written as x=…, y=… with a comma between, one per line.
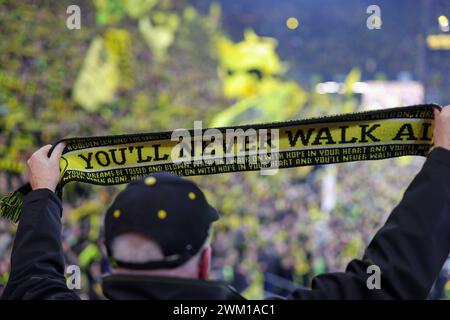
x=442, y=128
x=43, y=171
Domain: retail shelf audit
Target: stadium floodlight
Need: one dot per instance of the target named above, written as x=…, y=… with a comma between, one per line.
x=444, y=23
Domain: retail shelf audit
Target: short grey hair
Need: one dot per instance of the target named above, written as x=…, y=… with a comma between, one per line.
x=136, y=248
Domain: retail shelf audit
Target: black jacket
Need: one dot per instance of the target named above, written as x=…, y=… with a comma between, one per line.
x=410, y=249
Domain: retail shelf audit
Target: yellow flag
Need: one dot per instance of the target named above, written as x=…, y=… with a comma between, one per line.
x=98, y=79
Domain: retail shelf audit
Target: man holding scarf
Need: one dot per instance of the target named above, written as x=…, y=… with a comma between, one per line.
x=409, y=250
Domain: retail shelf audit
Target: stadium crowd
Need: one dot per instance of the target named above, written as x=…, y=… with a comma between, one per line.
x=275, y=232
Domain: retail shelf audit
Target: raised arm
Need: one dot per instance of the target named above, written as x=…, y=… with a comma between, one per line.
x=37, y=259
x=411, y=248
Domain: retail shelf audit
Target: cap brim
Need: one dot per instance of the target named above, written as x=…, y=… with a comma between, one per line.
x=213, y=213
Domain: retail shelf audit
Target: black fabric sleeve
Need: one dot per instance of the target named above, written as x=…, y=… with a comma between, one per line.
x=410, y=249
x=37, y=259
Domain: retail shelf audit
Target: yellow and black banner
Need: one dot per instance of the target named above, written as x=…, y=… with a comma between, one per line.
x=371, y=135
x=363, y=136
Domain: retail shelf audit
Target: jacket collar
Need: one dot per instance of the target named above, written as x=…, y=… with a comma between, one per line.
x=141, y=287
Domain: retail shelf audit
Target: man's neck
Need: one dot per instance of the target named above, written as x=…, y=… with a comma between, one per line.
x=156, y=273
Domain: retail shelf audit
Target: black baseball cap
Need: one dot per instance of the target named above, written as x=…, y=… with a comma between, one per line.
x=165, y=208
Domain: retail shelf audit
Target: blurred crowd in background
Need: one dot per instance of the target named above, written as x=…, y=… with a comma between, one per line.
x=153, y=65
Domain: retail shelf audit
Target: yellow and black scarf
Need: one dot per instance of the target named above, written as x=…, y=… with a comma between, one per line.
x=371, y=135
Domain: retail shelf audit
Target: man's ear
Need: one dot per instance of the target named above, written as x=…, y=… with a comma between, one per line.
x=204, y=263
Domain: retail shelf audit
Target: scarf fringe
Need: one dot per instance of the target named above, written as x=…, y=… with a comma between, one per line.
x=11, y=206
